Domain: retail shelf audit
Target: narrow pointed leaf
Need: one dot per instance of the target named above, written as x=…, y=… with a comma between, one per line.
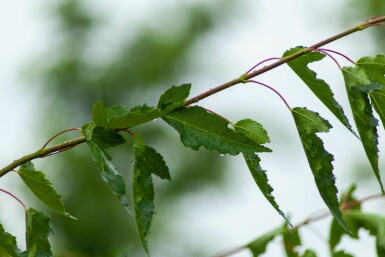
x=362, y=112
x=147, y=162
x=373, y=223
x=103, y=160
x=37, y=232
x=174, y=97
x=260, y=178
x=375, y=68
x=320, y=161
x=42, y=188
x=258, y=246
x=318, y=86
x=291, y=240
x=255, y=131
x=198, y=127
x=8, y=243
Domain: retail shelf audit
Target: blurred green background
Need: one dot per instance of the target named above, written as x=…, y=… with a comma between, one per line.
x=130, y=69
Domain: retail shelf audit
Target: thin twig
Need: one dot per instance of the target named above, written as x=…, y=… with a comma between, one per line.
x=14, y=197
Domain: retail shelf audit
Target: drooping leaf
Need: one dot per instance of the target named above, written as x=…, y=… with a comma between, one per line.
x=291, y=240
x=198, y=127
x=252, y=130
x=308, y=124
x=362, y=112
x=147, y=162
x=258, y=246
x=318, y=86
x=42, y=188
x=123, y=117
x=255, y=131
x=375, y=68
x=260, y=177
x=37, y=232
x=173, y=97
x=103, y=160
x=8, y=243
x=373, y=223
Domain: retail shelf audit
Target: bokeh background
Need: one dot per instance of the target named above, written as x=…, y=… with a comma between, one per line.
x=58, y=57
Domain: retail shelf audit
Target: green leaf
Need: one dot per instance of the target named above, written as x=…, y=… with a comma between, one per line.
x=106, y=137
x=373, y=223
x=309, y=253
x=37, y=232
x=342, y=254
x=8, y=243
x=174, y=97
x=308, y=124
x=147, y=162
x=252, y=130
x=42, y=188
x=198, y=127
x=375, y=68
x=122, y=117
x=318, y=86
x=362, y=112
x=291, y=239
x=260, y=177
x=103, y=160
x=258, y=246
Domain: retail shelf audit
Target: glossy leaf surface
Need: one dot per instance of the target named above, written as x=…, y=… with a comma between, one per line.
x=362, y=112
x=198, y=127
x=320, y=161
x=318, y=86
x=147, y=162
x=173, y=97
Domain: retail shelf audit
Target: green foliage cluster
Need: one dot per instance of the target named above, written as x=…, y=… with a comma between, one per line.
x=201, y=128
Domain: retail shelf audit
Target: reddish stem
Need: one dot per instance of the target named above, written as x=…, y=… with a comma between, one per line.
x=336, y=52
x=14, y=197
x=58, y=134
x=272, y=89
x=330, y=56
x=255, y=66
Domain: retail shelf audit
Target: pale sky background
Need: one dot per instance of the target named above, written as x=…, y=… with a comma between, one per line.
x=263, y=29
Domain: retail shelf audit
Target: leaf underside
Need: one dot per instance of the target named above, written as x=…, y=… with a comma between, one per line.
x=198, y=127
x=318, y=86
x=320, y=161
x=362, y=112
x=147, y=162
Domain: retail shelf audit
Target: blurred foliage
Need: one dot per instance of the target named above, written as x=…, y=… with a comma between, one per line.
x=139, y=68
x=365, y=10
